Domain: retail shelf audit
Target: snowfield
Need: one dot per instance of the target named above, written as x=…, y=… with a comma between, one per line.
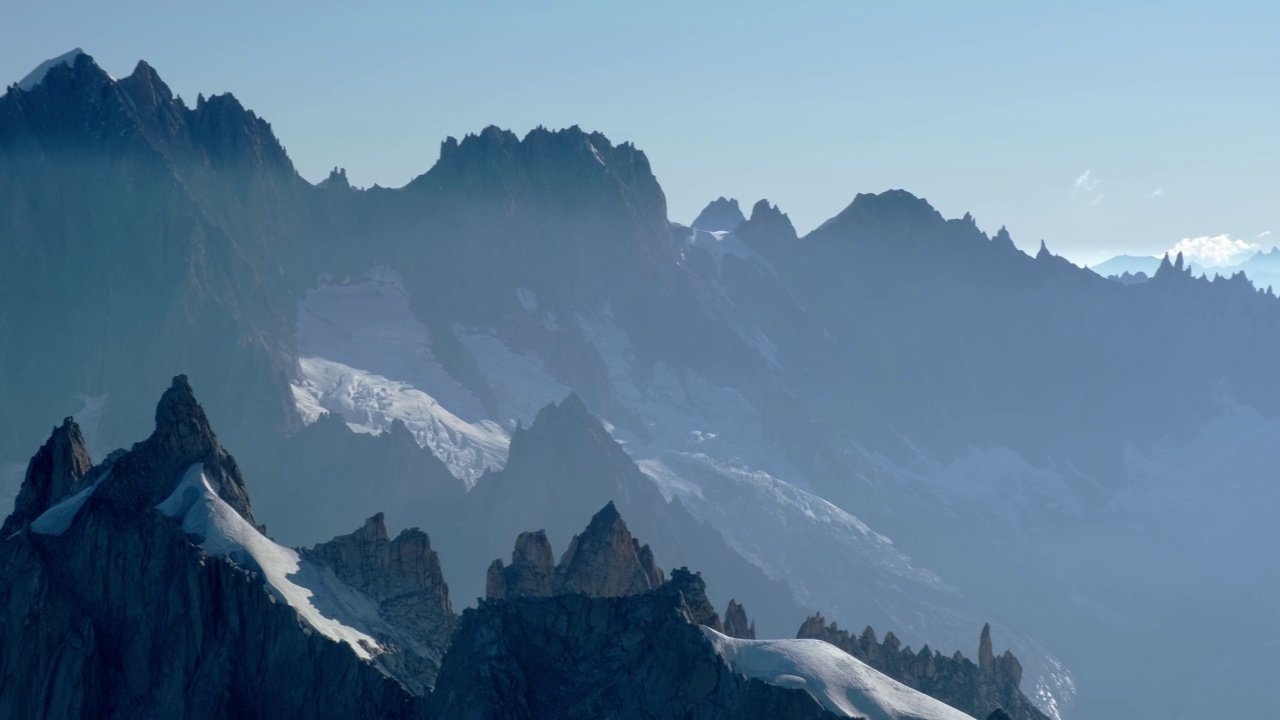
x=224, y=533
x=843, y=684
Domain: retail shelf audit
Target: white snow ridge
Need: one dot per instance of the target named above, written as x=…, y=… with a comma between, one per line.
x=843, y=684
x=195, y=502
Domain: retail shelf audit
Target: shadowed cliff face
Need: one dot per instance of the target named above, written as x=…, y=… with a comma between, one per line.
x=115, y=608
x=576, y=656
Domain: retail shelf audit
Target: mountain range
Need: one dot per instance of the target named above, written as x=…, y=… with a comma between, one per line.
x=896, y=420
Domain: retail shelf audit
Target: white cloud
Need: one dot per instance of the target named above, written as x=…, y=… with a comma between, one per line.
x=1097, y=199
x=1087, y=182
x=1264, y=234
x=1213, y=251
x=1155, y=193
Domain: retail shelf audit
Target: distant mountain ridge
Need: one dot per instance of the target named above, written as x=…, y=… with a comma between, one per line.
x=999, y=416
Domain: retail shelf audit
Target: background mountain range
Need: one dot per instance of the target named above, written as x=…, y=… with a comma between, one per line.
x=898, y=419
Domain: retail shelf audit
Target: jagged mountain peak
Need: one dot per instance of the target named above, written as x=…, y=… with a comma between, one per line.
x=602, y=561
x=37, y=75
x=888, y=212
x=569, y=417
x=1003, y=240
x=56, y=472
x=767, y=226
x=182, y=438
x=720, y=214
x=606, y=561
x=568, y=165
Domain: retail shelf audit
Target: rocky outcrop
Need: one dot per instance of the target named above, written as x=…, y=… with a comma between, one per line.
x=720, y=215
x=56, y=472
x=404, y=577
x=603, y=561
x=574, y=656
x=736, y=624
x=979, y=690
x=532, y=570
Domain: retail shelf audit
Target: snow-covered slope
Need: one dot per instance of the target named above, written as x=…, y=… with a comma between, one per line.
x=843, y=684
x=368, y=359
x=321, y=600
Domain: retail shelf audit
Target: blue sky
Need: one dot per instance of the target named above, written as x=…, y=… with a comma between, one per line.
x=1099, y=127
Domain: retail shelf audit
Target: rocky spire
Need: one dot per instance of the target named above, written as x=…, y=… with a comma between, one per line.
x=720, y=214
x=986, y=658
x=1044, y=253
x=603, y=561
x=1177, y=264
x=56, y=472
x=694, y=603
x=736, y=624
x=768, y=225
x=532, y=569
x=337, y=180
x=182, y=438
x=606, y=561
x=1003, y=240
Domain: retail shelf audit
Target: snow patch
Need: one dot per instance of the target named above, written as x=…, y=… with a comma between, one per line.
x=841, y=683
x=224, y=533
x=596, y=153
x=371, y=403
x=369, y=325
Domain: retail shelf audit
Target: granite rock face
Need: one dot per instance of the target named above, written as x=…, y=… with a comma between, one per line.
x=603, y=561
x=736, y=624
x=575, y=656
x=532, y=570
x=56, y=472
x=980, y=690
x=403, y=576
